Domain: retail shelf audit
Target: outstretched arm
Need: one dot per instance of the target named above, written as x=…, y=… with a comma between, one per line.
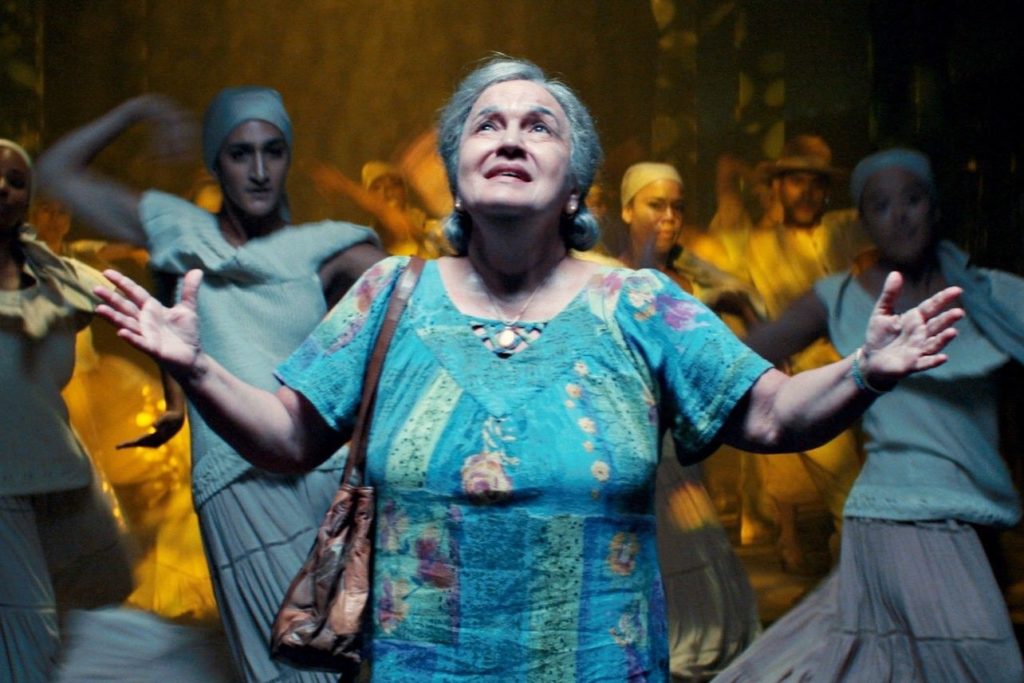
x=785, y=414
x=803, y=322
x=280, y=432
x=107, y=205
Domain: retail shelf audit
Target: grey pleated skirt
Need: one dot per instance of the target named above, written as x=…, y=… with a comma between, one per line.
x=909, y=602
x=28, y=608
x=257, y=532
x=128, y=645
x=712, y=609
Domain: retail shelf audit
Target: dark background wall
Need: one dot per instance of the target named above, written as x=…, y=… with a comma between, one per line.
x=361, y=78
x=675, y=80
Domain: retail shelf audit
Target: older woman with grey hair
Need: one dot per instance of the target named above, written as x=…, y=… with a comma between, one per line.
x=272, y=282
x=521, y=406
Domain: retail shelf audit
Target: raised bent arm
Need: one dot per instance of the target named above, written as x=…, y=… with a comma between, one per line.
x=332, y=183
x=107, y=205
x=280, y=432
x=786, y=414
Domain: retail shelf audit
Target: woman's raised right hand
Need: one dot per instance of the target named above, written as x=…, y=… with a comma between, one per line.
x=169, y=335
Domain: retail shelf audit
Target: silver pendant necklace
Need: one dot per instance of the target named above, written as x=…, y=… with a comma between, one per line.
x=508, y=338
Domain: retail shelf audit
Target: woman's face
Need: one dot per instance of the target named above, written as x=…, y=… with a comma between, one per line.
x=514, y=153
x=15, y=187
x=253, y=164
x=897, y=212
x=655, y=218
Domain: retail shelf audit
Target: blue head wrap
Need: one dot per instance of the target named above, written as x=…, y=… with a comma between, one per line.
x=898, y=157
x=233, y=106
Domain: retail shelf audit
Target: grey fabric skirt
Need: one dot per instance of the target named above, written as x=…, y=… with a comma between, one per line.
x=257, y=532
x=712, y=610
x=909, y=602
x=28, y=608
x=125, y=644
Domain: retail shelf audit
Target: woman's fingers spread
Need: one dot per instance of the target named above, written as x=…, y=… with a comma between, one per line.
x=936, y=303
x=120, y=320
x=890, y=292
x=117, y=302
x=135, y=292
x=944, y=320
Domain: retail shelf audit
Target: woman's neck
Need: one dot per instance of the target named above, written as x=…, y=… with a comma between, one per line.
x=921, y=279
x=516, y=257
x=12, y=260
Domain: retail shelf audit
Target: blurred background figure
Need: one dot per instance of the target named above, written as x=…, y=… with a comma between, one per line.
x=794, y=243
x=712, y=611
x=172, y=629
x=256, y=527
x=914, y=597
x=151, y=484
x=60, y=545
x=403, y=228
x=653, y=210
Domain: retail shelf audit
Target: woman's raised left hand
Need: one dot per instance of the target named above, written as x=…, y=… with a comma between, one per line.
x=169, y=335
x=900, y=344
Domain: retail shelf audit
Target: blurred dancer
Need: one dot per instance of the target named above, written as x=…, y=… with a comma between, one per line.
x=793, y=245
x=168, y=627
x=913, y=598
x=271, y=284
x=383, y=193
x=712, y=611
x=59, y=542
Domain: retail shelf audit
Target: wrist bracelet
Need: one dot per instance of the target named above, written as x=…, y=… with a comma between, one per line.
x=860, y=380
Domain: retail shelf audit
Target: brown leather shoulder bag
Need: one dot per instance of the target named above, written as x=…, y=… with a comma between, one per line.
x=327, y=607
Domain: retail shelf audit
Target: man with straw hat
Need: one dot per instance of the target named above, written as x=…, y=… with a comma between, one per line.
x=794, y=245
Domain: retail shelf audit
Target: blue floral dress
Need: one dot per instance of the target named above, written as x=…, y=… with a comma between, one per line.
x=515, y=534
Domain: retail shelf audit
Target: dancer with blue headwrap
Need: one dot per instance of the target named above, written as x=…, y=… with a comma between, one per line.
x=268, y=285
x=913, y=597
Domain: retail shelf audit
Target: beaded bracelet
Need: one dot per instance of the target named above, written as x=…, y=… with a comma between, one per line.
x=858, y=376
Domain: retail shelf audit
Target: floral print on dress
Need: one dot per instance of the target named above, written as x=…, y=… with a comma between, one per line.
x=484, y=478
x=435, y=567
x=630, y=635
x=391, y=607
x=679, y=315
x=610, y=286
x=587, y=425
x=622, y=553
x=393, y=525
x=600, y=470
x=367, y=289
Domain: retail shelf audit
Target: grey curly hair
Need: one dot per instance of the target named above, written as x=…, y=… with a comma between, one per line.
x=579, y=230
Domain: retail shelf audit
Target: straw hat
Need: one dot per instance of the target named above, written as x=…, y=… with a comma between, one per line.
x=802, y=153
